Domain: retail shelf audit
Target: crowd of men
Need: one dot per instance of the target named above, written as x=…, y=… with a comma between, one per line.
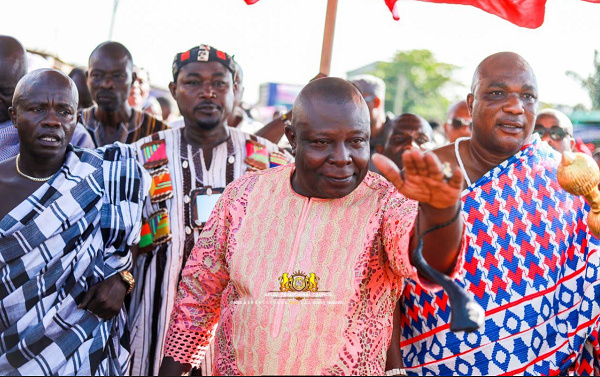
x=215, y=244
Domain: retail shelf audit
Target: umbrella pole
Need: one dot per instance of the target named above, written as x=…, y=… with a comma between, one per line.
x=327, y=49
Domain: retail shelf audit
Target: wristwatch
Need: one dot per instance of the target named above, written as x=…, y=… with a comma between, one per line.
x=128, y=278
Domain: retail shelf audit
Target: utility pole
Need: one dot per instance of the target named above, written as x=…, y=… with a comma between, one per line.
x=327, y=48
x=112, y=19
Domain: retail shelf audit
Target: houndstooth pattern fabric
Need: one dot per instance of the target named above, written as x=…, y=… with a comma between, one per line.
x=70, y=234
x=532, y=265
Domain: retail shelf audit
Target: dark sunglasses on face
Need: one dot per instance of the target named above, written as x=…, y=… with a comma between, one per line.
x=460, y=123
x=556, y=133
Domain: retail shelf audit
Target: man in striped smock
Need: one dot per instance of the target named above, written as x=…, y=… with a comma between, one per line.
x=531, y=260
x=190, y=167
x=67, y=221
x=110, y=77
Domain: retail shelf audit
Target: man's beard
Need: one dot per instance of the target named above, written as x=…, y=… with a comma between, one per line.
x=209, y=125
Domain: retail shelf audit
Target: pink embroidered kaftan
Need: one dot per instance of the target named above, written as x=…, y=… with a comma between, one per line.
x=264, y=247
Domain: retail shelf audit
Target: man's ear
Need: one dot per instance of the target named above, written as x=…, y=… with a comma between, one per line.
x=290, y=133
x=173, y=89
x=470, y=100
x=447, y=127
x=573, y=143
x=13, y=115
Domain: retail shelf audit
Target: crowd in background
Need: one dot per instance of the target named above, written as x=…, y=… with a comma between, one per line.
x=113, y=260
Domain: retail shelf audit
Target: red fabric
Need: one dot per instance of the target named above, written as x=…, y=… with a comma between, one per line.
x=580, y=146
x=525, y=13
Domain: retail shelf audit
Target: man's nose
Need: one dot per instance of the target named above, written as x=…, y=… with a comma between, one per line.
x=513, y=104
x=207, y=91
x=546, y=137
x=107, y=82
x=51, y=120
x=410, y=145
x=341, y=155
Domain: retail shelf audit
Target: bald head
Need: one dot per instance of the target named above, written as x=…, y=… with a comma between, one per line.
x=503, y=103
x=13, y=66
x=13, y=57
x=110, y=77
x=330, y=138
x=562, y=119
x=369, y=85
x=459, y=108
x=45, y=79
x=80, y=79
x=458, y=121
x=555, y=128
x=44, y=112
x=332, y=91
x=373, y=90
x=112, y=50
x=407, y=132
x=77, y=72
x=412, y=121
x=489, y=65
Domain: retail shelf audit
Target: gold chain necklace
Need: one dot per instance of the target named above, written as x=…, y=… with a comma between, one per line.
x=29, y=177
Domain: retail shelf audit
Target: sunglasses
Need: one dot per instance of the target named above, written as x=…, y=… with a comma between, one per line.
x=461, y=122
x=556, y=133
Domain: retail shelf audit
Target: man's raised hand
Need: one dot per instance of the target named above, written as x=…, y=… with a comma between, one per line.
x=422, y=179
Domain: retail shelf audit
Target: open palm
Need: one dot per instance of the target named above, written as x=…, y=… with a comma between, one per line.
x=423, y=178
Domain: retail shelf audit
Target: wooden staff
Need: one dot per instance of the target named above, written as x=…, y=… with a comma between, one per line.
x=327, y=49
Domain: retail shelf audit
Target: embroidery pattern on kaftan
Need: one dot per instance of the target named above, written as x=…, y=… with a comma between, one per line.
x=252, y=239
x=158, y=267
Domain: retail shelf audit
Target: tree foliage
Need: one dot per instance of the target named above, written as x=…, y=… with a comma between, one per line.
x=420, y=77
x=592, y=82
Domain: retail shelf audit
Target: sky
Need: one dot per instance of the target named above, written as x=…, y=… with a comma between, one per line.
x=280, y=40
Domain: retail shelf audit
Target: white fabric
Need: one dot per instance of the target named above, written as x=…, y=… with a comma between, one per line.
x=460, y=163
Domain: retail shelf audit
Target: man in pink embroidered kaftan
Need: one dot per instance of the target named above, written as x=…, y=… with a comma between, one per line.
x=531, y=261
x=301, y=266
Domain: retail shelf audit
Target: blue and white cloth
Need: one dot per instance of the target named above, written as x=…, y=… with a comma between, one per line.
x=9, y=140
x=70, y=234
